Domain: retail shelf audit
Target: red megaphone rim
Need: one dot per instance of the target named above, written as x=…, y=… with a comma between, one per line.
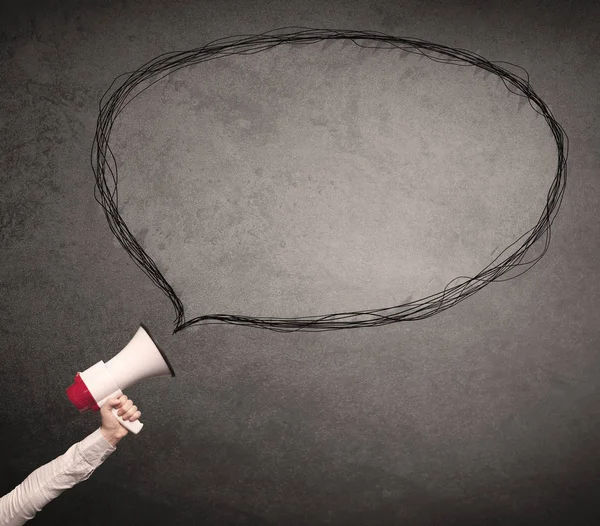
x=80, y=396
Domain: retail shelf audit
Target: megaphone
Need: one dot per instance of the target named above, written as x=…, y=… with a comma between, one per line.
x=141, y=358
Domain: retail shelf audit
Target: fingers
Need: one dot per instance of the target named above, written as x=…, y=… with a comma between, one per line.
x=128, y=411
x=132, y=415
x=135, y=416
x=118, y=401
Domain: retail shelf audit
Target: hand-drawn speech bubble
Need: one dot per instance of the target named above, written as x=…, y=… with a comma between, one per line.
x=273, y=176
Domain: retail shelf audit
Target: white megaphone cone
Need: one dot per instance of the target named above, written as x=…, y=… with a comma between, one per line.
x=140, y=359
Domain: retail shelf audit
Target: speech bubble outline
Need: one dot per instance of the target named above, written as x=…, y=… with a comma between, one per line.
x=161, y=66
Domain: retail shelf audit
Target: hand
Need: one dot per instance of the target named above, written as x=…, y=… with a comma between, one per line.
x=111, y=428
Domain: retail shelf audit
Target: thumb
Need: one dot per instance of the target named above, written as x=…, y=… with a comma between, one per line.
x=113, y=402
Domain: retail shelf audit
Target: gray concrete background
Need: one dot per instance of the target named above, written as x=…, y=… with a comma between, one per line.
x=300, y=182
x=328, y=178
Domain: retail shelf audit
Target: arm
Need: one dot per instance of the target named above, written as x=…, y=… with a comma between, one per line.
x=76, y=465
x=50, y=480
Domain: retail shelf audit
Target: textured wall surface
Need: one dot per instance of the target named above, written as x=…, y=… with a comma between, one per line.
x=303, y=181
x=315, y=179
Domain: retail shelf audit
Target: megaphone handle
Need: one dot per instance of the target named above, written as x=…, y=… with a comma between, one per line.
x=135, y=427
